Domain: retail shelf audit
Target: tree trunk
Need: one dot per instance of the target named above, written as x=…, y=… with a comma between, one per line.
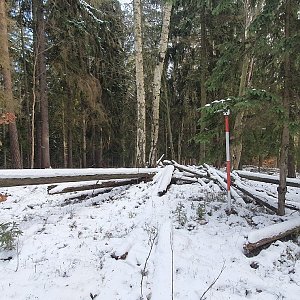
x=203, y=74
x=26, y=89
x=10, y=104
x=298, y=153
x=140, y=88
x=245, y=81
x=291, y=159
x=64, y=133
x=180, y=136
x=157, y=81
x=69, y=129
x=238, y=124
x=84, y=140
x=42, y=82
x=282, y=189
x=70, y=147
x=170, y=133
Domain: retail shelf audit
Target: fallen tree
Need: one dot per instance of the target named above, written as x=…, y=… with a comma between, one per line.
x=267, y=235
x=293, y=182
x=10, y=178
x=197, y=173
x=256, y=196
x=85, y=186
x=164, y=179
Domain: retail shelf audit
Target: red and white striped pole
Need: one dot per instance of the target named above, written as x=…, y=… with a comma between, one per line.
x=226, y=114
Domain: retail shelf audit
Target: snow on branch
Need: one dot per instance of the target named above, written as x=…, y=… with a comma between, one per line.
x=88, y=8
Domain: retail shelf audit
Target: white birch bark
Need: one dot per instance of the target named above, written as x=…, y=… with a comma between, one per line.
x=140, y=88
x=157, y=81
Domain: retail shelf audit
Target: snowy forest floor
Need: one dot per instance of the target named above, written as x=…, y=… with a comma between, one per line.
x=131, y=244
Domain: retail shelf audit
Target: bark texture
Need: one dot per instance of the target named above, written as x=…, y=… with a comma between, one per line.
x=10, y=104
x=283, y=165
x=203, y=74
x=250, y=14
x=140, y=87
x=42, y=82
x=157, y=82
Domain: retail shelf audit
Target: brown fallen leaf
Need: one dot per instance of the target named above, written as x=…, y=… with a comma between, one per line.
x=3, y=197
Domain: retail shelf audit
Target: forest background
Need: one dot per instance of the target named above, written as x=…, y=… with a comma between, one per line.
x=68, y=75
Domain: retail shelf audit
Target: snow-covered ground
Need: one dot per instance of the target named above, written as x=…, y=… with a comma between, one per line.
x=131, y=244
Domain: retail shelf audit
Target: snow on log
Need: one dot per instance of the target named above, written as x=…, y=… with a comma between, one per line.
x=164, y=179
x=50, y=176
x=85, y=195
x=267, y=178
x=87, y=185
x=263, y=198
x=186, y=179
x=260, y=197
x=271, y=233
x=198, y=173
x=220, y=178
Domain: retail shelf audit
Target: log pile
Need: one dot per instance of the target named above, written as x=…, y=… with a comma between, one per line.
x=89, y=183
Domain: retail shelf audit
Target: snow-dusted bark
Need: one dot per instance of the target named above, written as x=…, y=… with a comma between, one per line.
x=141, y=106
x=157, y=81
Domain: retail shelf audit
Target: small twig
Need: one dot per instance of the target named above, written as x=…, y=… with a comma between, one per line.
x=18, y=256
x=215, y=280
x=143, y=272
x=94, y=188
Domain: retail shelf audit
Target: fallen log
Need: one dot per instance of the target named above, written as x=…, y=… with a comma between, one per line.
x=164, y=179
x=256, y=196
x=293, y=182
x=267, y=235
x=185, y=169
x=221, y=179
x=269, y=200
x=186, y=179
x=85, y=195
x=10, y=178
x=56, y=189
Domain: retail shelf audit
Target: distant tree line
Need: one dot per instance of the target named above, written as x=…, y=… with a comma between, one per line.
x=74, y=85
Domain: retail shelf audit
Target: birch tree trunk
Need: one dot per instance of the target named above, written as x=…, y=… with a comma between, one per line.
x=283, y=165
x=140, y=88
x=157, y=81
x=10, y=104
